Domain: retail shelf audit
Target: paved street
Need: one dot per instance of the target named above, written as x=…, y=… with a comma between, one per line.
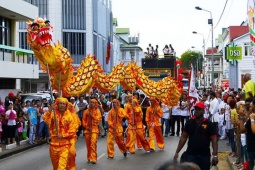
x=38, y=157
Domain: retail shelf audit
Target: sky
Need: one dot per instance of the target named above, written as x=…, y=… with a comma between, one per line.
x=162, y=22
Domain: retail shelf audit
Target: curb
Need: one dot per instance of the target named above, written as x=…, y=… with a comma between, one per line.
x=230, y=161
x=16, y=151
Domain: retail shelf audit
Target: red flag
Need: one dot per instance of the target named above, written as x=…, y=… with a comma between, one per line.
x=108, y=51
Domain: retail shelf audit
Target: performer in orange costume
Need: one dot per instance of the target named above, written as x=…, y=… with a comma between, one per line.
x=136, y=122
x=60, y=136
x=90, y=121
x=72, y=151
x=130, y=129
x=115, y=117
x=153, y=115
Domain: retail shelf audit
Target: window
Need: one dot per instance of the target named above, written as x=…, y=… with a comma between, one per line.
x=7, y=83
x=23, y=41
x=75, y=43
x=74, y=14
x=95, y=45
x=247, y=49
x=5, y=29
x=95, y=16
x=42, y=8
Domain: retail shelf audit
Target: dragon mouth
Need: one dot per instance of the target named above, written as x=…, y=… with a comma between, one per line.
x=43, y=37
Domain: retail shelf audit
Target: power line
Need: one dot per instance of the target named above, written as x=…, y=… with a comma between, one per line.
x=221, y=14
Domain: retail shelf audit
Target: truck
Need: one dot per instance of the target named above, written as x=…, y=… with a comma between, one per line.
x=158, y=68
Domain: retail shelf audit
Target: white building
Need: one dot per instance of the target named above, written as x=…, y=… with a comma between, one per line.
x=81, y=26
x=16, y=63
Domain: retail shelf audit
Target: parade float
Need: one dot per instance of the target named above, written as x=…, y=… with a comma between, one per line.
x=56, y=60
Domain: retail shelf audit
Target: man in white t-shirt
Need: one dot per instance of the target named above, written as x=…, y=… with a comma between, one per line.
x=165, y=119
x=214, y=110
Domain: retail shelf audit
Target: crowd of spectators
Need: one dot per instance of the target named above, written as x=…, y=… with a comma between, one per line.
x=152, y=52
x=231, y=112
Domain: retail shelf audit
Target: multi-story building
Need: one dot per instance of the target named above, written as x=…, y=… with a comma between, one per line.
x=236, y=43
x=217, y=70
x=16, y=64
x=126, y=48
x=83, y=27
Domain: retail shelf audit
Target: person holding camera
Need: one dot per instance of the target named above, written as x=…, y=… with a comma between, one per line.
x=43, y=127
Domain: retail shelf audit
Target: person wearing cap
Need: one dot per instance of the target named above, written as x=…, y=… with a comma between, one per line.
x=62, y=127
x=90, y=121
x=200, y=132
x=153, y=115
x=76, y=108
x=115, y=116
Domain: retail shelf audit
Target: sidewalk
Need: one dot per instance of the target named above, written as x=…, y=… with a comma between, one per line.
x=19, y=148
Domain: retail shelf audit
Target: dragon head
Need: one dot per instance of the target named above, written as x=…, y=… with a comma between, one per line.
x=39, y=31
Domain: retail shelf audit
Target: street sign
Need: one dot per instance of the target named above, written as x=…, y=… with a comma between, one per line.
x=234, y=53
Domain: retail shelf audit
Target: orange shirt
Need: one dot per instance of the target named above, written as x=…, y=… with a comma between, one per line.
x=115, y=120
x=91, y=120
x=128, y=110
x=138, y=117
x=153, y=116
x=67, y=126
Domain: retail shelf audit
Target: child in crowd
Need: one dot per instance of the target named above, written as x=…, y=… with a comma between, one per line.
x=222, y=124
x=20, y=129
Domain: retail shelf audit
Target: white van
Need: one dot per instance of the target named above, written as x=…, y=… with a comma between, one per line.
x=35, y=96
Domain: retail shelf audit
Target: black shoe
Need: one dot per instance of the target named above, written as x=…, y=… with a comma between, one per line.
x=166, y=136
x=152, y=150
x=177, y=134
x=172, y=134
x=109, y=157
x=125, y=154
x=93, y=162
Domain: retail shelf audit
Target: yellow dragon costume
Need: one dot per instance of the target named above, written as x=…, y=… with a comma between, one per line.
x=90, y=74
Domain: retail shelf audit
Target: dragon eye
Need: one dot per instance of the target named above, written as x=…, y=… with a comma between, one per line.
x=35, y=26
x=47, y=23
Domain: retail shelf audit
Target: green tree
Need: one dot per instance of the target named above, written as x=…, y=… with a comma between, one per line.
x=194, y=57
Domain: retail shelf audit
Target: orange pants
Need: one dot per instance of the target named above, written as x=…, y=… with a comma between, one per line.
x=141, y=137
x=139, y=133
x=130, y=140
x=72, y=154
x=138, y=142
x=110, y=143
x=59, y=156
x=156, y=131
x=91, y=144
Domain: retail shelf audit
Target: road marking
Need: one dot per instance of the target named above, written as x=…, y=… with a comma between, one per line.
x=103, y=154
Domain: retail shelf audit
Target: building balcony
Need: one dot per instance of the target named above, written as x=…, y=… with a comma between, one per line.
x=217, y=68
x=17, y=63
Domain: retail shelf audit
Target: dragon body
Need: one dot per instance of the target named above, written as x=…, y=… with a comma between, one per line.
x=58, y=61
